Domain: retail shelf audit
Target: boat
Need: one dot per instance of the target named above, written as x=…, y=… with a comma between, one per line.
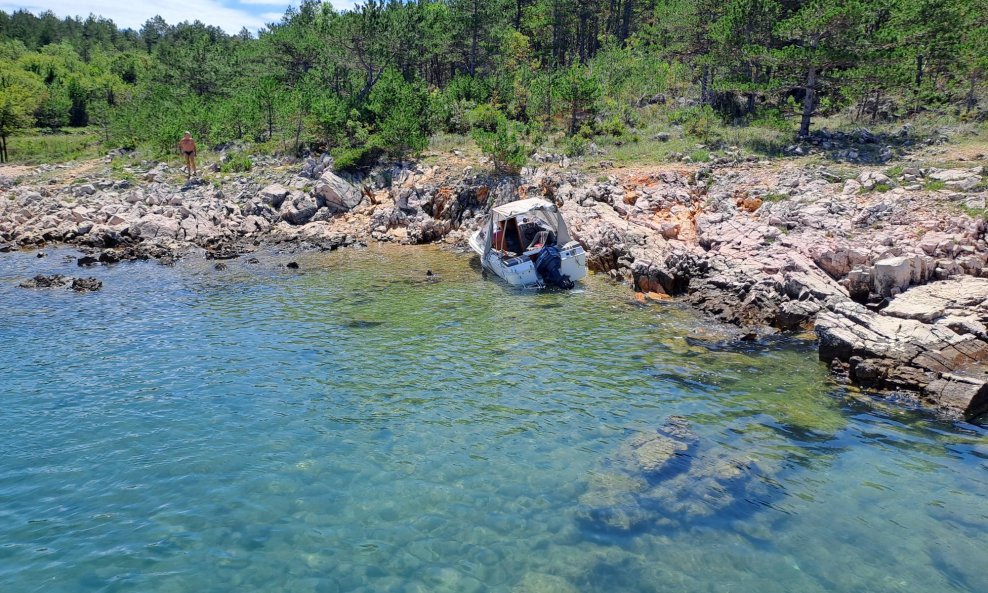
x=527, y=244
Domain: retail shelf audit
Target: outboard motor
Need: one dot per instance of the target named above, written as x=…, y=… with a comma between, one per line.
x=548, y=264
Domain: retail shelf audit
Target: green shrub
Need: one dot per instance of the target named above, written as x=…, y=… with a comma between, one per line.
x=504, y=145
x=697, y=122
x=934, y=185
x=396, y=106
x=238, y=162
x=771, y=118
x=450, y=115
x=485, y=117
x=576, y=146
x=345, y=158
x=774, y=197
x=614, y=126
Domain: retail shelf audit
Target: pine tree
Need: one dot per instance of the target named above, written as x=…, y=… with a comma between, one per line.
x=820, y=39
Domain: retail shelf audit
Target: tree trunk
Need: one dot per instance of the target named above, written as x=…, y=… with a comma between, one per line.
x=611, y=25
x=518, y=7
x=298, y=131
x=3, y=149
x=808, y=100
x=475, y=26
x=706, y=74
x=626, y=21
x=919, y=71
x=581, y=37
x=972, y=99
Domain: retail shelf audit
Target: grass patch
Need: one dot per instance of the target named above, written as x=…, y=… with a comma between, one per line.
x=444, y=143
x=441, y=146
x=894, y=172
x=774, y=197
x=647, y=151
x=700, y=156
x=38, y=148
x=934, y=185
x=767, y=142
x=974, y=212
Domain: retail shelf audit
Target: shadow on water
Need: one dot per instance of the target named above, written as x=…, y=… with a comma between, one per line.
x=361, y=324
x=763, y=345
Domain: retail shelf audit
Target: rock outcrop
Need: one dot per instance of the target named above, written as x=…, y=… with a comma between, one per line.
x=931, y=340
x=869, y=259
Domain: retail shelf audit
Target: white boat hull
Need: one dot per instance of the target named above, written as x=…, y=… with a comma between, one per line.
x=520, y=271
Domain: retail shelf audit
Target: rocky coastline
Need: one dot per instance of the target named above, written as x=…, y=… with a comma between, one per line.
x=890, y=270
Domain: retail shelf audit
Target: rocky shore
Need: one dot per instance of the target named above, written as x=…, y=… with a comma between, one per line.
x=890, y=267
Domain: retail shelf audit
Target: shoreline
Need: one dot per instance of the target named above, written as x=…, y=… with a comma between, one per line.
x=891, y=272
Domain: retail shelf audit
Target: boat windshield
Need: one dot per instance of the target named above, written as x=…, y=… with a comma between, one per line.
x=516, y=230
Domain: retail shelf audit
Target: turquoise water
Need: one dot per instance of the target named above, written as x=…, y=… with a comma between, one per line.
x=354, y=428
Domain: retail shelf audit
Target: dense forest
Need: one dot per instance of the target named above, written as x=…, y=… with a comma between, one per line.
x=381, y=79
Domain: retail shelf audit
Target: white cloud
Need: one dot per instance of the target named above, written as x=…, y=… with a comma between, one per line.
x=229, y=15
x=337, y=4
x=135, y=13
x=272, y=17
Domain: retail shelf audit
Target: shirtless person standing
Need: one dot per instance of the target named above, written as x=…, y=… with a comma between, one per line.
x=187, y=146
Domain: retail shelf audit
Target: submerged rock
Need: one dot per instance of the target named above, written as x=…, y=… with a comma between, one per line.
x=43, y=281
x=645, y=487
x=86, y=284
x=537, y=582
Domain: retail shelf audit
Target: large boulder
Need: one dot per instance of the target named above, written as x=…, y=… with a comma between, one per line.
x=299, y=208
x=154, y=226
x=870, y=179
x=894, y=273
x=274, y=195
x=336, y=194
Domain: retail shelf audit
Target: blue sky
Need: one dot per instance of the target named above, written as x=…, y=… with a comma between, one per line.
x=231, y=15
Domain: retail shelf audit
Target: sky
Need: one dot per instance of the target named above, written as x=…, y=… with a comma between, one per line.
x=230, y=15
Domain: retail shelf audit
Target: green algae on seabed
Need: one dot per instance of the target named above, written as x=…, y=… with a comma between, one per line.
x=354, y=428
x=775, y=381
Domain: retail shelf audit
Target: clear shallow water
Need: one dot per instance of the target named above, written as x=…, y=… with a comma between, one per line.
x=353, y=428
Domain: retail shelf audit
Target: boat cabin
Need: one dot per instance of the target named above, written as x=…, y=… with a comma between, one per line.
x=523, y=228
